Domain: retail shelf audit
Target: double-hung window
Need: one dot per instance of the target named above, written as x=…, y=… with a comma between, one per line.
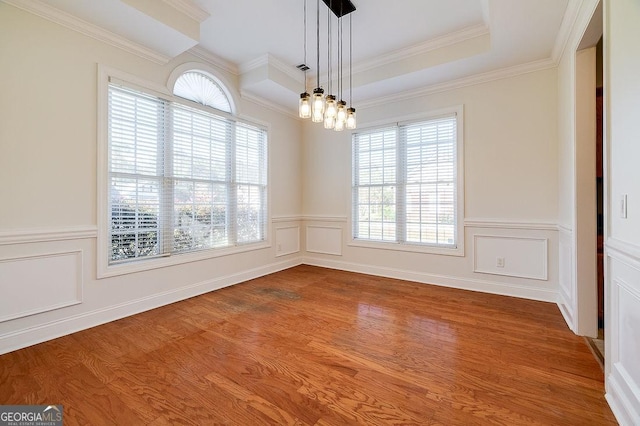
x=181, y=177
x=407, y=180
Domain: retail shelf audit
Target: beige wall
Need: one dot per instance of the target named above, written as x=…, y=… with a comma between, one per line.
x=48, y=169
x=510, y=149
x=511, y=186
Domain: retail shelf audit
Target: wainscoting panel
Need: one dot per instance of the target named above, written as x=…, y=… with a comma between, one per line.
x=628, y=319
x=622, y=334
x=324, y=239
x=287, y=240
x=39, y=283
x=521, y=257
x=567, y=291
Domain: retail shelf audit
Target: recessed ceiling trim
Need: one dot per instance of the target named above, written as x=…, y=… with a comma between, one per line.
x=189, y=8
x=463, y=82
x=214, y=60
x=71, y=22
x=418, y=49
x=270, y=60
x=259, y=100
x=569, y=21
x=486, y=12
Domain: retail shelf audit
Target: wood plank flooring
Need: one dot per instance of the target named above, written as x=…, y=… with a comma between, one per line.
x=312, y=346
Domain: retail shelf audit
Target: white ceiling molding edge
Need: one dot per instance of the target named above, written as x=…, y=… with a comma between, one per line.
x=421, y=48
x=259, y=100
x=486, y=14
x=71, y=22
x=462, y=82
x=568, y=22
x=214, y=60
x=270, y=60
x=189, y=8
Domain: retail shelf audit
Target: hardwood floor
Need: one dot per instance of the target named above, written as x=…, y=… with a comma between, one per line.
x=313, y=346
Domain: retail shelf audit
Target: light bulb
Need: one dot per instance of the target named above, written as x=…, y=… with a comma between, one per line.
x=330, y=109
x=304, y=107
x=329, y=122
x=351, y=118
x=341, y=116
x=317, y=105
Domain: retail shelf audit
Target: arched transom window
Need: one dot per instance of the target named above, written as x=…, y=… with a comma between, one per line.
x=201, y=88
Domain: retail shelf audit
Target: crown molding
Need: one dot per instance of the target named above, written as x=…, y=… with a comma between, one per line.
x=270, y=60
x=214, y=60
x=564, y=34
x=268, y=104
x=60, y=17
x=421, y=48
x=253, y=64
x=189, y=8
x=472, y=80
x=486, y=11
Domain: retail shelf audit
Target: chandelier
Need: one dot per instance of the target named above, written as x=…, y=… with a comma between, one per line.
x=318, y=107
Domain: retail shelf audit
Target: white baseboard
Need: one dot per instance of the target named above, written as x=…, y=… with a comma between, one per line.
x=30, y=336
x=493, y=287
x=566, y=314
x=622, y=400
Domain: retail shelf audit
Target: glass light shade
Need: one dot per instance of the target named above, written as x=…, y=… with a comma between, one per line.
x=317, y=105
x=342, y=111
x=330, y=107
x=351, y=118
x=329, y=122
x=304, y=107
x=341, y=117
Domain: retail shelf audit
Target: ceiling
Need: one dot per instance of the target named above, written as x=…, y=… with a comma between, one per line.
x=412, y=47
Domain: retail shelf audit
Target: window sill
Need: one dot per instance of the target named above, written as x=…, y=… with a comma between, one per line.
x=414, y=248
x=176, y=259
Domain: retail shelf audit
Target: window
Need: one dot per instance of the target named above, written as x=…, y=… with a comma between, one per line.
x=406, y=184
x=201, y=88
x=182, y=178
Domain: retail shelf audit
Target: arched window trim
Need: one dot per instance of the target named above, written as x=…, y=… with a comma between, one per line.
x=202, y=69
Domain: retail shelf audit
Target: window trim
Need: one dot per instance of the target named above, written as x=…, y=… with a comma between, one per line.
x=412, y=247
x=106, y=270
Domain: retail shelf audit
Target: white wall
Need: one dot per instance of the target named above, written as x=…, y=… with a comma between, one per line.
x=48, y=207
x=511, y=189
x=622, y=174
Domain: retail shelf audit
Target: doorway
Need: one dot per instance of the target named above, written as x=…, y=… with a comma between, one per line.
x=598, y=343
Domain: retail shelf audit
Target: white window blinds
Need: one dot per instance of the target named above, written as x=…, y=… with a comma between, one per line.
x=404, y=183
x=136, y=170
x=181, y=179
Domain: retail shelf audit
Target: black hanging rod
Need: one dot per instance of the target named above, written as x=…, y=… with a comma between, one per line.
x=340, y=7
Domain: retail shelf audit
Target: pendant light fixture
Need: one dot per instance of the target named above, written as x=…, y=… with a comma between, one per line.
x=330, y=110
x=341, y=114
x=334, y=114
x=304, y=106
x=351, y=111
x=317, y=105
